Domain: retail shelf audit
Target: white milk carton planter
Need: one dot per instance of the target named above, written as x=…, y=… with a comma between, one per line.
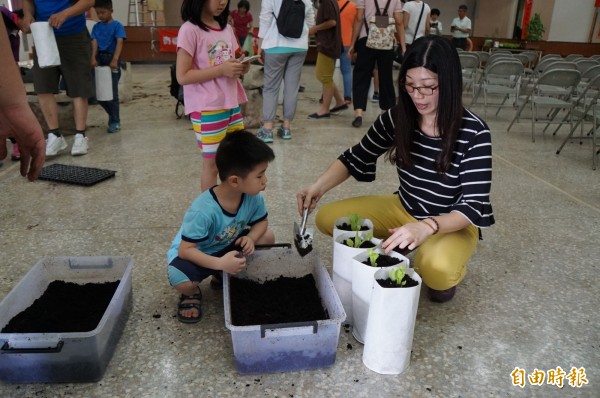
x=342, y=269
x=363, y=222
x=362, y=287
x=391, y=325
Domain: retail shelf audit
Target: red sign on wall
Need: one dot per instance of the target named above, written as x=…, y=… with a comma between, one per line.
x=527, y=17
x=167, y=39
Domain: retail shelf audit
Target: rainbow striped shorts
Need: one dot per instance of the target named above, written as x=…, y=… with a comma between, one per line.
x=211, y=127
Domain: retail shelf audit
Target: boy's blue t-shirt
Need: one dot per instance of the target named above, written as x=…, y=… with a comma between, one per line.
x=107, y=33
x=211, y=227
x=44, y=9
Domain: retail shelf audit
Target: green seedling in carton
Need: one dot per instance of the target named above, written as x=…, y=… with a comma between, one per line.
x=373, y=256
x=397, y=276
x=357, y=241
x=354, y=220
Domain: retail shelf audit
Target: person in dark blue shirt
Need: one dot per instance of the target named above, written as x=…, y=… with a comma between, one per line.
x=67, y=17
x=107, y=43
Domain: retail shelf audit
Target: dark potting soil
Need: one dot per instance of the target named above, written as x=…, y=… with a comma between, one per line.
x=281, y=300
x=410, y=282
x=347, y=227
x=383, y=261
x=65, y=307
x=367, y=244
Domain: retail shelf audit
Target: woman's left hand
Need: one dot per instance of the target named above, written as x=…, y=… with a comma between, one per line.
x=408, y=236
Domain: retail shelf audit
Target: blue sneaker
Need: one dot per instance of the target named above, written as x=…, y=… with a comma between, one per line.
x=284, y=133
x=265, y=134
x=113, y=127
x=375, y=97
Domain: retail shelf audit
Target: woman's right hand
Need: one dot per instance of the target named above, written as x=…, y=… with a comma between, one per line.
x=308, y=197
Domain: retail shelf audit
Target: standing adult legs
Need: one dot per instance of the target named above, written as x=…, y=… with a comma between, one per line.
x=273, y=75
x=346, y=69
x=361, y=79
x=291, y=85
x=387, y=93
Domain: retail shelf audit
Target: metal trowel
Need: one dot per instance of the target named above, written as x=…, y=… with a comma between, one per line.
x=303, y=237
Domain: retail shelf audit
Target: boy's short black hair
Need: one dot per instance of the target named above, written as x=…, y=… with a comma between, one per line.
x=244, y=4
x=463, y=7
x=19, y=13
x=239, y=153
x=103, y=4
x=435, y=11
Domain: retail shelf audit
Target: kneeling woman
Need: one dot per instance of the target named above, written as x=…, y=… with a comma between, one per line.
x=443, y=156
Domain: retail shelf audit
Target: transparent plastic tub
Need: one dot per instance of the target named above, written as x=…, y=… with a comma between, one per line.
x=288, y=346
x=64, y=357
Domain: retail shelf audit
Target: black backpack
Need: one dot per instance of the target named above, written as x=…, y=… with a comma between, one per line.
x=290, y=22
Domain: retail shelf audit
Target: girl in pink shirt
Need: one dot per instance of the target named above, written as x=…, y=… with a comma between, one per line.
x=209, y=73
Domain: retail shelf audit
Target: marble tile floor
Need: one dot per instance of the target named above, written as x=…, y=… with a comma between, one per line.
x=530, y=298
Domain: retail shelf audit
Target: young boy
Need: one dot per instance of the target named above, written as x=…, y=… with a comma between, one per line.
x=223, y=224
x=435, y=25
x=107, y=43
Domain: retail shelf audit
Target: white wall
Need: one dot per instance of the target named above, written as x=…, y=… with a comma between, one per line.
x=571, y=21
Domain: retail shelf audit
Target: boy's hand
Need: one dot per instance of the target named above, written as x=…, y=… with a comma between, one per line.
x=231, y=263
x=114, y=64
x=247, y=245
x=94, y=63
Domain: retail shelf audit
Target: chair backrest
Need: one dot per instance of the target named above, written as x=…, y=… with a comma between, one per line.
x=547, y=56
x=572, y=57
x=584, y=64
x=504, y=68
x=591, y=72
x=523, y=58
x=483, y=56
x=497, y=56
x=561, y=65
x=468, y=60
x=596, y=57
x=502, y=52
x=566, y=78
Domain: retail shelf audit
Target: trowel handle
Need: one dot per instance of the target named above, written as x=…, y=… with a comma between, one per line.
x=304, y=218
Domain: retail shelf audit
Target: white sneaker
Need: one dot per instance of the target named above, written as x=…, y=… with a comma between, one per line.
x=55, y=144
x=80, y=145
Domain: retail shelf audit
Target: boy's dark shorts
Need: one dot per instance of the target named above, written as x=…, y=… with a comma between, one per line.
x=75, y=67
x=197, y=273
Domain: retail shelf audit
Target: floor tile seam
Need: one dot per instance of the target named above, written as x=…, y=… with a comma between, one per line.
x=549, y=184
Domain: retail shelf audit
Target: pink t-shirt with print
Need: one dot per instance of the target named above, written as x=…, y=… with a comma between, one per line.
x=210, y=49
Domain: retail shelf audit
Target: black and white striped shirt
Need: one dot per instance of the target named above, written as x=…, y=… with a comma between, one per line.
x=423, y=191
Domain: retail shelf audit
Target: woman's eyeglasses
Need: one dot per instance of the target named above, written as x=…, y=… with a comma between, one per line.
x=422, y=90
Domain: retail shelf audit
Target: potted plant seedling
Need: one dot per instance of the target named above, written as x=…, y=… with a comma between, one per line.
x=352, y=222
x=364, y=266
x=388, y=322
x=345, y=247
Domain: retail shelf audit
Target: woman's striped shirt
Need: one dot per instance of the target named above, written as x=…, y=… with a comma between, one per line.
x=423, y=191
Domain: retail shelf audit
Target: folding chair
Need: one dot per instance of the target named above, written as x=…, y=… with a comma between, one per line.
x=548, y=56
x=483, y=58
x=573, y=57
x=552, y=90
x=585, y=63
x=502, y=78
x=523, y=58
x=587, y=108
x=469, y=64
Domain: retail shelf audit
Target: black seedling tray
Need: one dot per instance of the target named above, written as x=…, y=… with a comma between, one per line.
x=86, y=176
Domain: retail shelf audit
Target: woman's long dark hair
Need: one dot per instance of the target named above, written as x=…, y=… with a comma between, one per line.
x=438, y=55
x=191, y=10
